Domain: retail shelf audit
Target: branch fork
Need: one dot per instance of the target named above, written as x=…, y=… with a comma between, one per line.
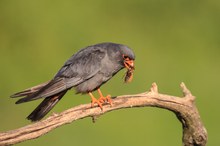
x=194, y=132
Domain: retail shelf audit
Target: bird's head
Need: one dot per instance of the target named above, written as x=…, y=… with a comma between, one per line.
x=121, y=55
x=128, y=58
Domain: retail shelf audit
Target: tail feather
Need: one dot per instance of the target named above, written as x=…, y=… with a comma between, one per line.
x=51, y=91
x=29, y=91
x=42, y=91
x=45, y=106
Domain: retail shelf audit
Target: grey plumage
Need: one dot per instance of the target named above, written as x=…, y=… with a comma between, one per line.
x=86, y=70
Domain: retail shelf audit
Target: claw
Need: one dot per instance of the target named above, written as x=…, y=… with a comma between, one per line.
x=106, y=99
x=94, y=100
x=101, y=99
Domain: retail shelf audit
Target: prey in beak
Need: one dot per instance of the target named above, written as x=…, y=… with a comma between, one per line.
x=129, y=64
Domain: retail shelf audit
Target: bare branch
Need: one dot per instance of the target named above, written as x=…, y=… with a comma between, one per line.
x=194, y=133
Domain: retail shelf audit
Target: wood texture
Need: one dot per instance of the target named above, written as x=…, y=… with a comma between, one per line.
x=194, y=132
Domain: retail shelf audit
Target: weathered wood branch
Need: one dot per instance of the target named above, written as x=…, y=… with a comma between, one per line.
x=194, y=133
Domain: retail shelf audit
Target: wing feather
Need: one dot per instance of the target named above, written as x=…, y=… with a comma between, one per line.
x=80, y=67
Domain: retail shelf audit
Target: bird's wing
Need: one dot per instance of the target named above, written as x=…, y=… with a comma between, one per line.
x=83, y=65
x=79, y=68
x=29, y=91
x=53, y=87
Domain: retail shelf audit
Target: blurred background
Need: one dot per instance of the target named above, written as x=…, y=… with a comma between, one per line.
x=174, y=41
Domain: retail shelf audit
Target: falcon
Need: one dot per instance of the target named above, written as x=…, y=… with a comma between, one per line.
x=85, y=71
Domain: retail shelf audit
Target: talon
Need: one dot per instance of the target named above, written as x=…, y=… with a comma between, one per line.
x=101, y=99
x=106, y=99
x=94, y=100
x=109, y=100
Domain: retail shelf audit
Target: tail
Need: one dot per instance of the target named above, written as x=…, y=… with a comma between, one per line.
x=45, y=106
x=44, y=90
x=29, y=91
x=51, y=91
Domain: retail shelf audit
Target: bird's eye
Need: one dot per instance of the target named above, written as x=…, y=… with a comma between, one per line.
x=125, y=57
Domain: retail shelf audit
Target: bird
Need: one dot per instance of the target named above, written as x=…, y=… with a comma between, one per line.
x=85, y=71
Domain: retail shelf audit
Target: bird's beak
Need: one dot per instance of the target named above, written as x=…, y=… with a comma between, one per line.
x=129, y=64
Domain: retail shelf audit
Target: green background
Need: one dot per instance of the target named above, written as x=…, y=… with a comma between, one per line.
x=174, y=41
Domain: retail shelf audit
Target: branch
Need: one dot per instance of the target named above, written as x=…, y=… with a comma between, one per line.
x=194, y=133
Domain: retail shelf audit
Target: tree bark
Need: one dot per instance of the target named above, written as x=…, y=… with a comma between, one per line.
x=194, y=132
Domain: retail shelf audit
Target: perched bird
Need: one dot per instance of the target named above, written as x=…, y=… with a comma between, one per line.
x=86, y=71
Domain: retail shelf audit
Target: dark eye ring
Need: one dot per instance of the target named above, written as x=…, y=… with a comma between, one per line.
x=125, y=57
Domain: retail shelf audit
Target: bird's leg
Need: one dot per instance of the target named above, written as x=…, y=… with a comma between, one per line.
x=103, y=99
x=94, y=100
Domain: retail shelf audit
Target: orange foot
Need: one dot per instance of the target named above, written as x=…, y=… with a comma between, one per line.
x=106, y=99
x=94, y=100
x=101, y=100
